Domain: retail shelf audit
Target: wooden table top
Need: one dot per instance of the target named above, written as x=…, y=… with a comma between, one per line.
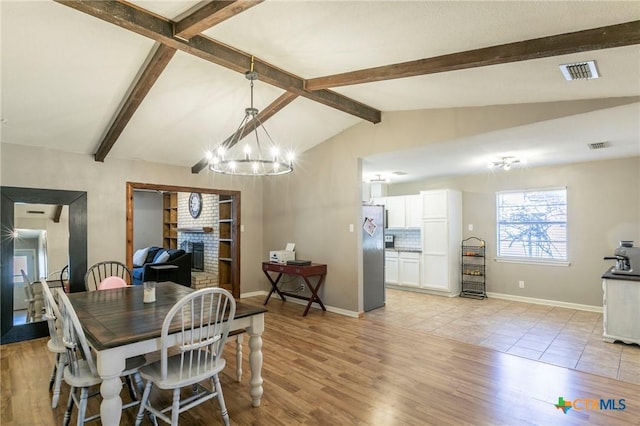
x=302, y=270
x=117, y=317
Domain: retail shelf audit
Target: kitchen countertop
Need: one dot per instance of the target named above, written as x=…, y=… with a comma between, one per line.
x=407, y=250
x=611, y=276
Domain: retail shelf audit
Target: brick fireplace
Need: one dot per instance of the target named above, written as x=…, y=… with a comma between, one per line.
x=208, y=275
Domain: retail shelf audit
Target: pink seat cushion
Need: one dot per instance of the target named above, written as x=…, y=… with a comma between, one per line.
x=112, y=282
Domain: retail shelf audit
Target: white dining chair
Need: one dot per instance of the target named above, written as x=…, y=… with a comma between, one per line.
x=81, y=372
x=55, y=344
x=30, y=298
x=202, y=320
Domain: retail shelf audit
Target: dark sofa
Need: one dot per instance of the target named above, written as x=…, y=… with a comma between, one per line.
x=176, y=257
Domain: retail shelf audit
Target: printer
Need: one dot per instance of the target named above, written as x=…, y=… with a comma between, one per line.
x=281, y=256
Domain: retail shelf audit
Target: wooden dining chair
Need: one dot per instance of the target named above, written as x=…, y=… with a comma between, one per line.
x=203, y=318
x=55, y=344
x=102, y=270
x=30, y=298
x=81, y=372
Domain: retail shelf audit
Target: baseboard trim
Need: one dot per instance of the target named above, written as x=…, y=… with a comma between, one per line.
x=421, y=290
x=577, y=306
x=253, y=294
x=333, y=309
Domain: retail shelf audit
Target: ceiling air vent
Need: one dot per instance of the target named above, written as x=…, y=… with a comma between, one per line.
x=598, y=145
x=580, y=71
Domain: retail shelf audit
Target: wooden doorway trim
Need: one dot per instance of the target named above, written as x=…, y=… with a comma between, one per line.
x=234, y=195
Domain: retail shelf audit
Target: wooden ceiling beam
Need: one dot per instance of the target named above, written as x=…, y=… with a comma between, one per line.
x=284, y=100
x=161, y=30
x=210, y=15
x=562, y=44
x=57, y=213
x=157, y=63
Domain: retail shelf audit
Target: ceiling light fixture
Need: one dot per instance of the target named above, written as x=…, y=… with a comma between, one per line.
x=504, y=163
x=254, y=162
x=378, y=179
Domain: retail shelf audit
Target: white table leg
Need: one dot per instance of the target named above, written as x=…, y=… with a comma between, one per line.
x=255, y=358
x=110, y=366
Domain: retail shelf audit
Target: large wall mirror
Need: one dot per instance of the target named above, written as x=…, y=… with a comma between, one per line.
x=44, y=233
x=202, y=221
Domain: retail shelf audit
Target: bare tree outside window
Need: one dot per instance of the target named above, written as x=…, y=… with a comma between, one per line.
x=532, y=224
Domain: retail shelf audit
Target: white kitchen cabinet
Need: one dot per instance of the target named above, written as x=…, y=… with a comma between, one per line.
x=620, y=314
x=441, y=237
x=413, y=211
x=409, y=269
x=391, y=267
x=435, y=204
x=403, y=211
x=395, y=212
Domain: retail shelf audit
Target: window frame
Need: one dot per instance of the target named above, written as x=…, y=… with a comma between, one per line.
x=533, y=260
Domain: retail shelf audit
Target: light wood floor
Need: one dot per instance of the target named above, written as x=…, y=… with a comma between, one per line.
x=327, y=369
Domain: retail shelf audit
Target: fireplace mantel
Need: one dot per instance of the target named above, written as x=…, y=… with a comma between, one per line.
x=196, y=229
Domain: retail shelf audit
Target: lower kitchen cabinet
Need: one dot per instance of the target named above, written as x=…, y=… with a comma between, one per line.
x=391, y=267
x=402, y=268
x=409, y=269
x=620, y=315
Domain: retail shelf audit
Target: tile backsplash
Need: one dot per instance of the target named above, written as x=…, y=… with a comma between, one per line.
x=406, y=238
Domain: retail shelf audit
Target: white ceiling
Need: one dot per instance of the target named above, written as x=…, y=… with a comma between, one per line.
x=65, y=74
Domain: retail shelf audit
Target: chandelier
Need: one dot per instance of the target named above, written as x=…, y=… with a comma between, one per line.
x=504, y=163
x=256, y=159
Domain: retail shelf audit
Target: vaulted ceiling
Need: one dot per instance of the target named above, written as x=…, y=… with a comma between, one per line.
x=163, y=81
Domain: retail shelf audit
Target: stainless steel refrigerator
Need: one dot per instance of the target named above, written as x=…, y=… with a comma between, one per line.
x=373, y=256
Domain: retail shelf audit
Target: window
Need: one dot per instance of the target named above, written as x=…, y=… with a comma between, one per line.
x=532, y=225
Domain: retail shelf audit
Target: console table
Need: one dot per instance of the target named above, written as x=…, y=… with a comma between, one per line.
x=315, y=269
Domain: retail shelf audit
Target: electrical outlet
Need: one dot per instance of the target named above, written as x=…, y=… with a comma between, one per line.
x=521, y=284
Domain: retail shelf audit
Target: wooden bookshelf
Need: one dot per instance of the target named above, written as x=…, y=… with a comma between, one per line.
x=170, y=220
x=227, y=256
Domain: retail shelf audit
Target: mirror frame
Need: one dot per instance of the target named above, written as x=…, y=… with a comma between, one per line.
x=77, y=202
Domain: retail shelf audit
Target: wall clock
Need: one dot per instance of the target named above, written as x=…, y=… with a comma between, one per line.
x=195, y=204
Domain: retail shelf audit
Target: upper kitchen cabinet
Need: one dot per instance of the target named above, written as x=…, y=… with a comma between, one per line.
x=435, y=204
x=413, y=210
x=403, y=211
x=395, y=212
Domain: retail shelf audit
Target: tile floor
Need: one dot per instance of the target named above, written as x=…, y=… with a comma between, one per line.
x=560, y=336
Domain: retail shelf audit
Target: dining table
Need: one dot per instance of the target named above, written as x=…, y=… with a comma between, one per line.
x=119, y=325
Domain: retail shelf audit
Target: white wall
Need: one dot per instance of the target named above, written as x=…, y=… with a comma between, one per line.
x=105, y=184
x=314, y=206
x=601, y=212
x=147, y=219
